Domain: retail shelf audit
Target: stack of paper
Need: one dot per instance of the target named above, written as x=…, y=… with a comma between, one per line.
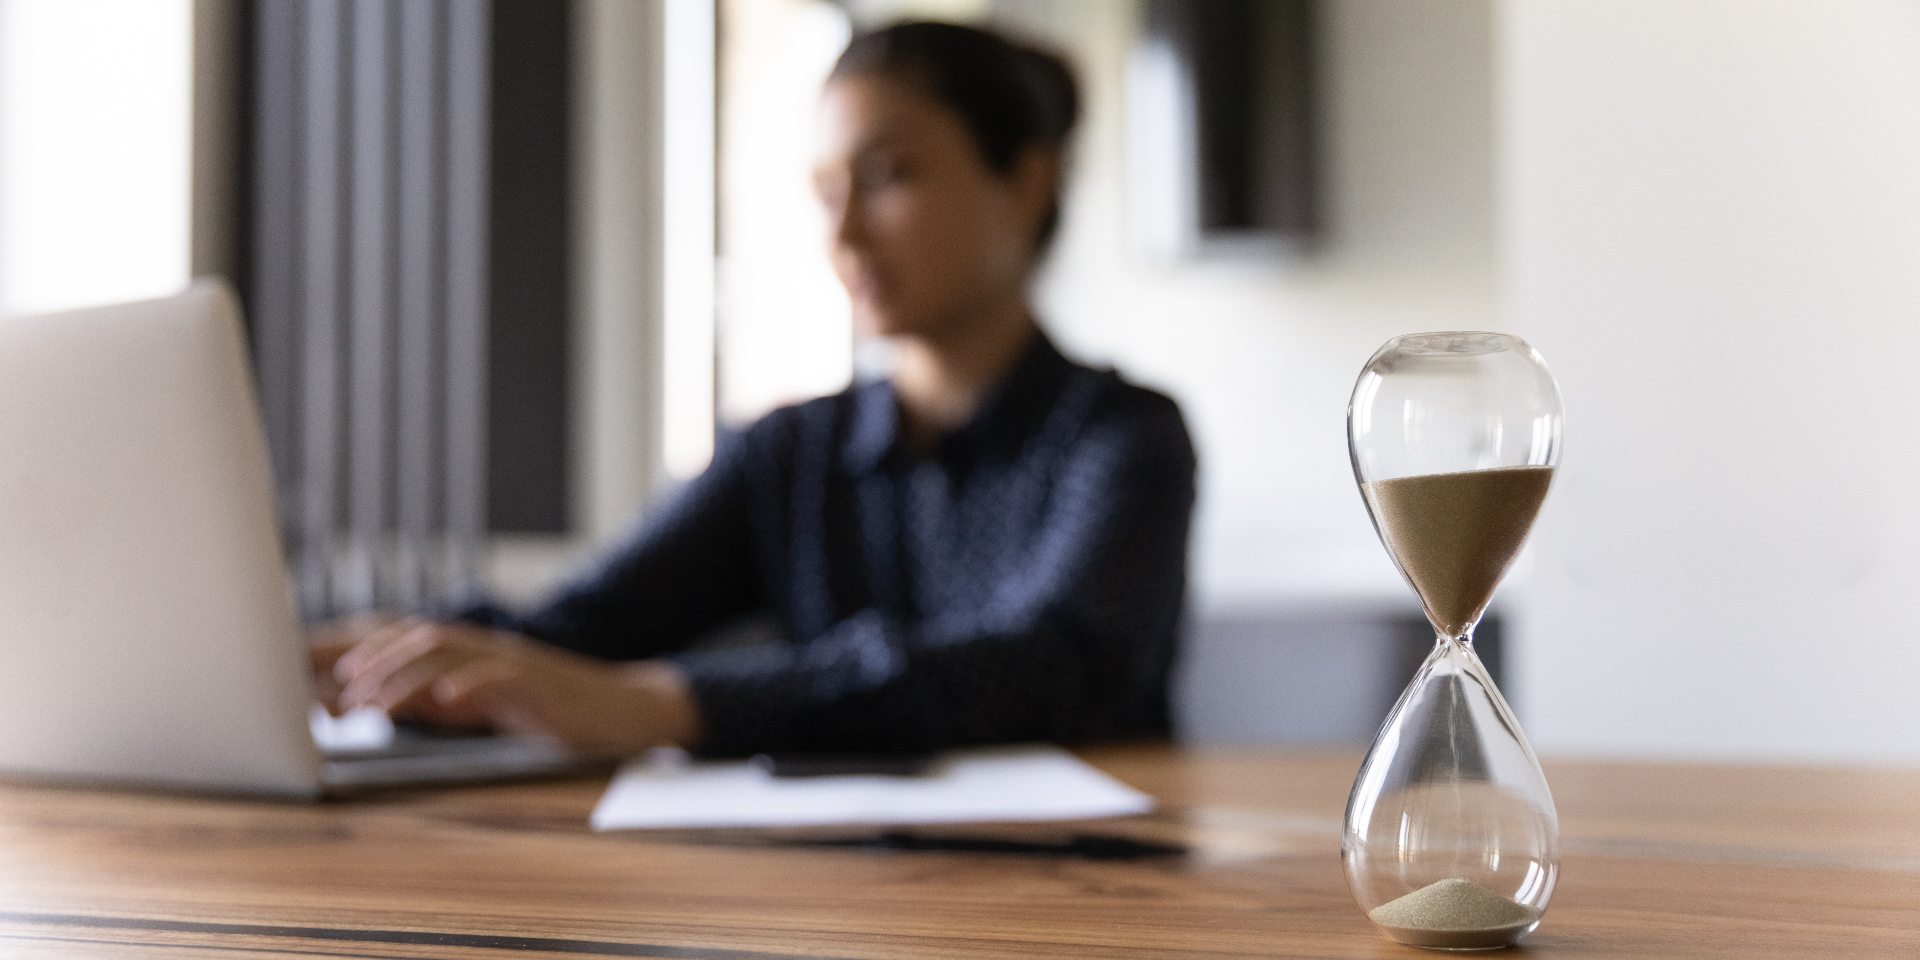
x=1000, y=784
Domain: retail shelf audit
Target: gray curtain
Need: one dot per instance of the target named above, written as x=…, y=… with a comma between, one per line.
x=369, y=292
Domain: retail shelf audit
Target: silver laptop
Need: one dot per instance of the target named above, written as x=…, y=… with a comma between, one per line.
x=147, y=630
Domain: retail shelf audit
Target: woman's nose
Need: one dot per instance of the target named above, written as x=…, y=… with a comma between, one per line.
x=846, y=220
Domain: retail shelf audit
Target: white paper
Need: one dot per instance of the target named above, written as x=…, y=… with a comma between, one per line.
x=998, y=784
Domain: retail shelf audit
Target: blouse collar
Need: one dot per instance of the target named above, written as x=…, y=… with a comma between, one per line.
x=1007, y=415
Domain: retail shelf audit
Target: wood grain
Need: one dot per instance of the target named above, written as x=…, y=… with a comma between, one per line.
x=1664, y=861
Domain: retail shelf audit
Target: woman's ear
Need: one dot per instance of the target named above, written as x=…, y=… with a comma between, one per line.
x=1036, y=184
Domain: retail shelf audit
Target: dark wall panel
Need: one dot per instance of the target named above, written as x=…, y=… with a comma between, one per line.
x=1249, y=66
x=528, y=417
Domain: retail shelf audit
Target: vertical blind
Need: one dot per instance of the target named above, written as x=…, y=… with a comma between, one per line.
x=369, y=292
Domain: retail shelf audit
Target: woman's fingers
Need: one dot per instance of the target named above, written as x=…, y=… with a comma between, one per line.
x=527, y=689
x=366, y=668
x=498, y=691
x=327, y=686
x=393, y=672
x=329, y=642
x=474, y=686
x=460, y=675
x=371, y=644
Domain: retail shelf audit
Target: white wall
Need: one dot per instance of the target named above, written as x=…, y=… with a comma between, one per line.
x=1262, y=355
x=1712, y=231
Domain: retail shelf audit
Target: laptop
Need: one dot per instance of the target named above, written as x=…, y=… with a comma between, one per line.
x=148, y=634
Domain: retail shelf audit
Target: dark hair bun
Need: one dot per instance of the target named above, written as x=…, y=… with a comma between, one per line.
x=1011, y=97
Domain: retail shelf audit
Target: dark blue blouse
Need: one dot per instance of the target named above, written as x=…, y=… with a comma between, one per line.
x=1024, y=582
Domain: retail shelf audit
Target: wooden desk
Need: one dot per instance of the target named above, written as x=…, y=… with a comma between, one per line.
x=1661, y=862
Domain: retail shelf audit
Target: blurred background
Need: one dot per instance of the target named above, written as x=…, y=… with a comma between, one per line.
x=510, y=263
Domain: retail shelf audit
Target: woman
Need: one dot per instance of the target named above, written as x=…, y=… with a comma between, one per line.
x=989, y=546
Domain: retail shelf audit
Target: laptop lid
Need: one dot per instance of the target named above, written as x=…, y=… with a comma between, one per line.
x=147, y=634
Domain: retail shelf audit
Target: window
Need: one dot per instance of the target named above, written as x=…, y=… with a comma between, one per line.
x=95, y=151
x=784, y=328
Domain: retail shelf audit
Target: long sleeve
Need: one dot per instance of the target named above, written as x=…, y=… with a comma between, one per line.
x=1071, y=639
x=687, y=568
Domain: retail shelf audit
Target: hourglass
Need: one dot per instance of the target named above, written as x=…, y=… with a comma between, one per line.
x=1451, y=838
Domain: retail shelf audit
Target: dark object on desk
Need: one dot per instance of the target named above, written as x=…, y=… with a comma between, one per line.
x=797, y=765
x=1082, y=845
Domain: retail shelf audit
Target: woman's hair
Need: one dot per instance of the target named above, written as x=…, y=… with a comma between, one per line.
x=1010, y=97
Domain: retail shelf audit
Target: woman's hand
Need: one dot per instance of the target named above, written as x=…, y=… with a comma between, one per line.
x=459, y=675
x=328, y=642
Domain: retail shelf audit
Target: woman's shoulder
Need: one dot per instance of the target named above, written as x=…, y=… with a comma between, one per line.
x=780, y=430
x=1126, y=441
x=1119, y=403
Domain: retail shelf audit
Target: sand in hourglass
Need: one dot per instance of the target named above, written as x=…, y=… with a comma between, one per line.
x=1455, y=533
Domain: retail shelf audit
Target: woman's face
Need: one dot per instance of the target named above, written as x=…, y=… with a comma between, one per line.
x=921, y=232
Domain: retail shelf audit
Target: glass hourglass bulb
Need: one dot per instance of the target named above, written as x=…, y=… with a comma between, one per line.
x=1451, y=839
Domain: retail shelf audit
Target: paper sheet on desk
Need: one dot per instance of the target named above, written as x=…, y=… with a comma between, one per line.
x=999, y=784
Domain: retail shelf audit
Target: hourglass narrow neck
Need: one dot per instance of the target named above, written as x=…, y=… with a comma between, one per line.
x=1454, y=534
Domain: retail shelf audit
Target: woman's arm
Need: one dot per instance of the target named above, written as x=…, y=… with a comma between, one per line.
x=686, y=569
x=1076, y=646
x=461, y=675
x=555, y=670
